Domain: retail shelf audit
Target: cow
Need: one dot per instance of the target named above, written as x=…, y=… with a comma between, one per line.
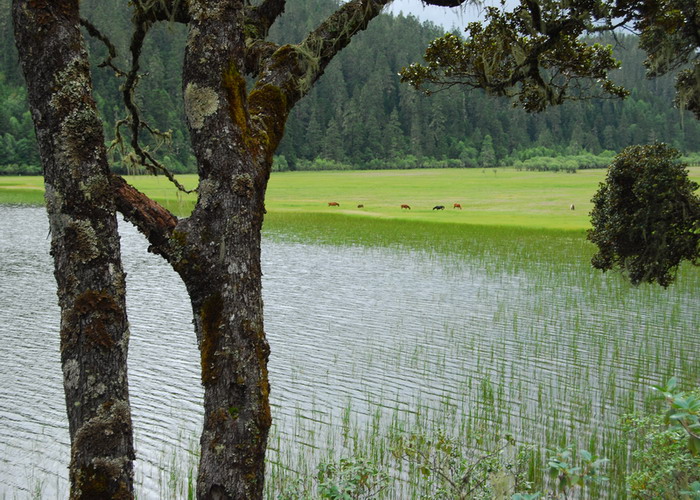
x=439, y=207
x=457, y=205
x=573, y=207
x=407, y=207
x=333, y=204
x=360, y=206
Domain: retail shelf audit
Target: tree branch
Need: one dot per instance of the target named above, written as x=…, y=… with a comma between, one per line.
x=257, y=52
x=152, y=219
x=94, y=32
x=164, y=10
x=295, y=68
x=141, y=24
x=259, y=19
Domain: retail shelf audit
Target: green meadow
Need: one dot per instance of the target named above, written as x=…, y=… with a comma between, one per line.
x=488, y=197
x=496, y=203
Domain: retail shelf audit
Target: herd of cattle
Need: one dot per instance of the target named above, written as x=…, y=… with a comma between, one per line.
x=408, y=207
x=403, y=206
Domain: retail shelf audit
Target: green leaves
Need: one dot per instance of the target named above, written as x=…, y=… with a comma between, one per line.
x=694, y=491
x=683, y=412
x=350, y=479
x=570, y=472
x=533, y=54
x=526, y=496
x=451, y=470
x=646, y=216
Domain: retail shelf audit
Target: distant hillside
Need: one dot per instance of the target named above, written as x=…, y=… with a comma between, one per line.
x=359, y=115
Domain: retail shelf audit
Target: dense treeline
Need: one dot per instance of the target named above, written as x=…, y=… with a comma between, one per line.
x=359, y=115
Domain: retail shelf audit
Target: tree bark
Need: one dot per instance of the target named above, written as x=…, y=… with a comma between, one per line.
x=85, y=247
x=216, y=251
x=222, y=240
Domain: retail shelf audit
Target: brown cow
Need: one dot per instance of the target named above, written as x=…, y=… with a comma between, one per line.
x=406, y=207
x=360, y=206
x=457, y=205
x=573, y=207
x=333, y=204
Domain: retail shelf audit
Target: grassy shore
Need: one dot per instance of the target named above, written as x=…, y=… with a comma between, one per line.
x=488, y=197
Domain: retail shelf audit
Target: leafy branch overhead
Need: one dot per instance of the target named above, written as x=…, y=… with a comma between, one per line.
x=670, y=34
x=533, y=54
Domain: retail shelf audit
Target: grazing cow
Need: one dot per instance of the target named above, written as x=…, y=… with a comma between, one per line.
x=406, y=207
x=457, y=205
x=573, y=207
x=439, y=207
x=333, y=204
x=360, y=206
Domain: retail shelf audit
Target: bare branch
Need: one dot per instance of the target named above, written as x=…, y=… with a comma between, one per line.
x=151, y=219
x=111, y=49
x=141, y=26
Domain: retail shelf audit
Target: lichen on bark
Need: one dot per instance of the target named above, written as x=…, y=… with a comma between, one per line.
x=200, y=102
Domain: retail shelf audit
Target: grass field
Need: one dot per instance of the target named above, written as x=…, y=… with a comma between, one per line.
x=491, y=197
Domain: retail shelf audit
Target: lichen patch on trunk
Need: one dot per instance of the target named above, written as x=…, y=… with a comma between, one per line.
x=200, y=102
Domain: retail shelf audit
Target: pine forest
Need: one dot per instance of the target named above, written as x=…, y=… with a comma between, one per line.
x=359, y=115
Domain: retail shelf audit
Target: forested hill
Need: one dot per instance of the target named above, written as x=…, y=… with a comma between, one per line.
x=359, y=114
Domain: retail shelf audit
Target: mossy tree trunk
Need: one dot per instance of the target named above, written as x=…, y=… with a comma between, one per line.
x=84, y=245
x=234, y=133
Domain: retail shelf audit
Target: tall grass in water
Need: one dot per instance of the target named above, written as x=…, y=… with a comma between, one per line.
x=549, y=350
x=554, y=351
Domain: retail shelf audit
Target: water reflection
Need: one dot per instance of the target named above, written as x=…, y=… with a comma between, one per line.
x=374, y=331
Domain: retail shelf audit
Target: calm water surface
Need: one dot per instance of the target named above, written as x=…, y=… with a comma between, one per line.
x=365, y=331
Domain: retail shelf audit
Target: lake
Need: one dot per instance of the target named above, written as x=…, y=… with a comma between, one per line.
x=364, y=340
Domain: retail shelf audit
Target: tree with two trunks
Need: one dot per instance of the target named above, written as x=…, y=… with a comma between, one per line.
x=234, y=132
x=235, y=128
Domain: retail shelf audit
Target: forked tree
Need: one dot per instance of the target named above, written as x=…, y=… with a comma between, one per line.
x=532, y=54
x=234, y=132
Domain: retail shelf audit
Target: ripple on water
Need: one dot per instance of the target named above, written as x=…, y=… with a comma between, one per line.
x=364, y=332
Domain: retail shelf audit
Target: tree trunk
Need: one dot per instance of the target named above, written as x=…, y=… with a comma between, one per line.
x=216, y=250
x=84, y=244
x=225, y=289
x=222, y=242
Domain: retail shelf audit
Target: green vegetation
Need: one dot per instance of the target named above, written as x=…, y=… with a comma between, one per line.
x=610, y=358
x=646, y=216
x=488, y=197
x=433, y=464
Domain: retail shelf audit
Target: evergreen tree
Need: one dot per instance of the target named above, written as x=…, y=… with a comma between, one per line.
x=487, y=155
